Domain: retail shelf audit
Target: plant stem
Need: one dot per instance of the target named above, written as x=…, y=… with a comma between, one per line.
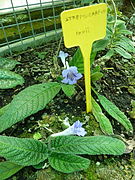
x=94, y=91
x=57, y=52
x=55, y=58
x=132, y=5
x=115, y=11
x=80, y=88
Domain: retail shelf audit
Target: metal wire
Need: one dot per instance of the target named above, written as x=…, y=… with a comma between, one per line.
x=17, y=23
x=20, y=22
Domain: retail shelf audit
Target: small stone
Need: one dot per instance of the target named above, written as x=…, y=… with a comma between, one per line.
x=97, y=163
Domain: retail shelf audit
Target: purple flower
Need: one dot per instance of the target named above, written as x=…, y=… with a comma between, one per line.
x=75, y=129
x=71, y=75
x=63, y=56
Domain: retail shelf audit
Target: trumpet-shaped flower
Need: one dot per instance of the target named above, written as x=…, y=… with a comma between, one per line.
x=71, y=75
x=63, y=56
x=75, y=129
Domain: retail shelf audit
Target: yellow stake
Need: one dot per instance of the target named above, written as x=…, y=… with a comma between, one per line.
x=86, y=57
x=81, y=27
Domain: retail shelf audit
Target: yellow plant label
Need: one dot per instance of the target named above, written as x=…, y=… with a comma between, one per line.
x=81, y=27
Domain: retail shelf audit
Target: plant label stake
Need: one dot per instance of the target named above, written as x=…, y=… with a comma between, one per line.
x=81, y=27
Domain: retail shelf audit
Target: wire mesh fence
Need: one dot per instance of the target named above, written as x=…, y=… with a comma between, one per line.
x=31, y=22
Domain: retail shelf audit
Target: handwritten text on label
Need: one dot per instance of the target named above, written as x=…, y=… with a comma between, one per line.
x=85, y=16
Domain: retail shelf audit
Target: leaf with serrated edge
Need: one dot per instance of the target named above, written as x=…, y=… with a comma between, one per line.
x=68, y=163
x=104, y=122
x=23, y=151
x=27, y=102
x=8, y=169
x=92, y=145
x=69, y=90
x=115, y=112
x=9, y=79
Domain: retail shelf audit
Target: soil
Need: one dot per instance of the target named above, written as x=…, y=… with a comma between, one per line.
x=42, y=65
x=37, y=66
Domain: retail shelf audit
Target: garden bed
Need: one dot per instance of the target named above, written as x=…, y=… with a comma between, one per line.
x=41, y=65
x=38, y=66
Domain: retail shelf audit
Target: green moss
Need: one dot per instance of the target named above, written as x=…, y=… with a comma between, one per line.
x=93, y=126
x=90, y=173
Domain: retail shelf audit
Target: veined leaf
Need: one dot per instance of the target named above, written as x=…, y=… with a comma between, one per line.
x=115, y=112
x=96, y=69
x=92, y=57
x=6, y=63
x=109, y=54
x=100, y=45
x=23, y=151
x=77, y=61
x=69, y=90
x=129, y=43
x=125, y=45
x=109, y=30
x=9, y=79
x=96, y=76
x=68, y=163
x=8, y=169
x=27, y=102
x=126, y=39
x=125, y=32
x=39, y=166
x=3, y=109
x=104, y=122
x=122, y=52
x=92, y=145
x=120, y=25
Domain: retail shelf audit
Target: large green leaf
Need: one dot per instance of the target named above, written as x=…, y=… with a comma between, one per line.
x=114, y=111
x=69, y=90
x=3, y=109
x=8, y=169
x=122, y=52
x=77, y=61
x=9, y=79
x=27, y=102
x=104, y=122
x=6, y=63
x=23, y=151
x=92, y=145
x=68, y=163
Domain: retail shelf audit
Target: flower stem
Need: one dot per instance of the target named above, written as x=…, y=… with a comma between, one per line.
x=115, y=11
